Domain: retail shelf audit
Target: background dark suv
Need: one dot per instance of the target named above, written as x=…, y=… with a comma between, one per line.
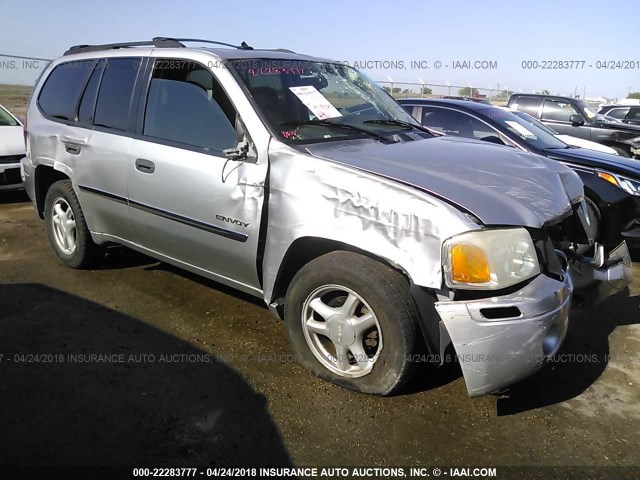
x=574, y=116
x=625, y=113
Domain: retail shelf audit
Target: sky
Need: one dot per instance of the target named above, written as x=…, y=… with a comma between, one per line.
x=384, y=37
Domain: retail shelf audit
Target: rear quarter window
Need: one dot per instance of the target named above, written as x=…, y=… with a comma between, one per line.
x=527, y=105
x=62, y=89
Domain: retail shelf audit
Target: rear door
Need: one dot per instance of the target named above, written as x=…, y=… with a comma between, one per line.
x=188, y=202
x=102, y=144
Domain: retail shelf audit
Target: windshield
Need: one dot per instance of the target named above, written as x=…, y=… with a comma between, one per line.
x=306, y=101
x=588, y=110
x=525, y=130
x=6, y=119
x=528, y=118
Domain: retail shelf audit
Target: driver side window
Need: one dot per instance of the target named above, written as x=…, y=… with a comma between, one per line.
x=558, y=111
x=186, y=105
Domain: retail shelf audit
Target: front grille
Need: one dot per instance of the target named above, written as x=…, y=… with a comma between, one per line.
x=11, y=158
x=10, y=177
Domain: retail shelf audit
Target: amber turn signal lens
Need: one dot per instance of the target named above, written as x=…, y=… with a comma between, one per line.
x=609, y=178
x=469, y=264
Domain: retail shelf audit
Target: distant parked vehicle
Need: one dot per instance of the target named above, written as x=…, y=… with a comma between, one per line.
x=568, y=139
x=12, y=150
x=468, y=99
x=611, y=183
x=624, y=113
x=575, y=117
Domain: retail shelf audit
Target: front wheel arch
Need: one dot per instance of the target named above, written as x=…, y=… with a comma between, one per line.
x=306, y=249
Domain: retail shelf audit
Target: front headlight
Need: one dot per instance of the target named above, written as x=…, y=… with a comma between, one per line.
x=629, y=185
x=489, y=259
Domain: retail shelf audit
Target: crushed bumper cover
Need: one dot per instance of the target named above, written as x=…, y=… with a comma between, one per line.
x=502, y=340
x=497, y=352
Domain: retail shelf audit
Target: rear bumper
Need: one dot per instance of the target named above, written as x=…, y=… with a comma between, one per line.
x=10, y=178
x=495, y=353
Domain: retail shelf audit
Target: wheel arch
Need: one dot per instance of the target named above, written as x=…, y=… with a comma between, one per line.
x=45, y=176
x=305, y=249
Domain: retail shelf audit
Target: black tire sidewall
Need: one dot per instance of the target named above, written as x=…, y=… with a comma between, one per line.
x=387, y=295
x=80, y=257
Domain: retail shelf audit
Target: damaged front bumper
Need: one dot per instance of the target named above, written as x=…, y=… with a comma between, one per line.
x=501, y=340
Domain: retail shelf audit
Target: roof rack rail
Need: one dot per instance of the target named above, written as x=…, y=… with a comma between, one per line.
x=156, y=42
x=242, y=46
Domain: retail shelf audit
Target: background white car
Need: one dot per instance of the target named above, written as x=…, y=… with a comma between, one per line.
x=12, y=150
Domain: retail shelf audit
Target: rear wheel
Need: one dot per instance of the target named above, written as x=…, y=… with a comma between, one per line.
x=351, y=320
x=66, y=227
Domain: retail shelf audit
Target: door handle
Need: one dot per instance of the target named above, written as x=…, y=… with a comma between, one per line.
x=72, y=149
x=69, y=139
x=145, y=166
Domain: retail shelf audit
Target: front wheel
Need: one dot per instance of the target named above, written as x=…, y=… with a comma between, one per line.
x=352, y=321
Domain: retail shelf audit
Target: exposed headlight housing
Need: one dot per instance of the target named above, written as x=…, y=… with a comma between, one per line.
x=489, y=259
x=627, y=184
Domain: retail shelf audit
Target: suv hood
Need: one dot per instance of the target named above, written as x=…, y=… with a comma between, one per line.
x=499, y=185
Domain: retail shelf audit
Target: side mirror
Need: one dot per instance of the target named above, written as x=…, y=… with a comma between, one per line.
x=576, y=120
x=243, y=152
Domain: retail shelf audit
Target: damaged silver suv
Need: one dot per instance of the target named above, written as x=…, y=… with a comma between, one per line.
x=300, y=181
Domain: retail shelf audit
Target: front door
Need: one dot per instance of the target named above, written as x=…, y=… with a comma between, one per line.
x=187, y=201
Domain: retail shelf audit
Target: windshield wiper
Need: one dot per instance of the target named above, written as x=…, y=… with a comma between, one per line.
x=402, y=123
x=342, y=126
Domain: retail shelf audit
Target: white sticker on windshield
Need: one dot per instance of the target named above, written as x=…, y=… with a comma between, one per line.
x=316, y=102
x=520, y=129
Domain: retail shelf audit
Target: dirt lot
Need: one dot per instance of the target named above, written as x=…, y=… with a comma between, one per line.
x=190, y=372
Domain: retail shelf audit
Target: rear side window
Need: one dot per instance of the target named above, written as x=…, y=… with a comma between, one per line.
x=618, y=113
x=527, y=105
x=455, y=123
x=187, y=105
x=634, y=115
x=62, y=89
x=116, y=91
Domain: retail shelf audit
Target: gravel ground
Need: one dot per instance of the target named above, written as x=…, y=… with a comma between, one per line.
x=186, y=371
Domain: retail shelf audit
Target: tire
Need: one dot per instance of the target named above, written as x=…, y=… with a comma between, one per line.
x=377, y=337
x=67, y=229
x=623, y=152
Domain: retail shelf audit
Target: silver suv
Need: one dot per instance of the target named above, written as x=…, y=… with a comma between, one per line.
x=300, y=181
